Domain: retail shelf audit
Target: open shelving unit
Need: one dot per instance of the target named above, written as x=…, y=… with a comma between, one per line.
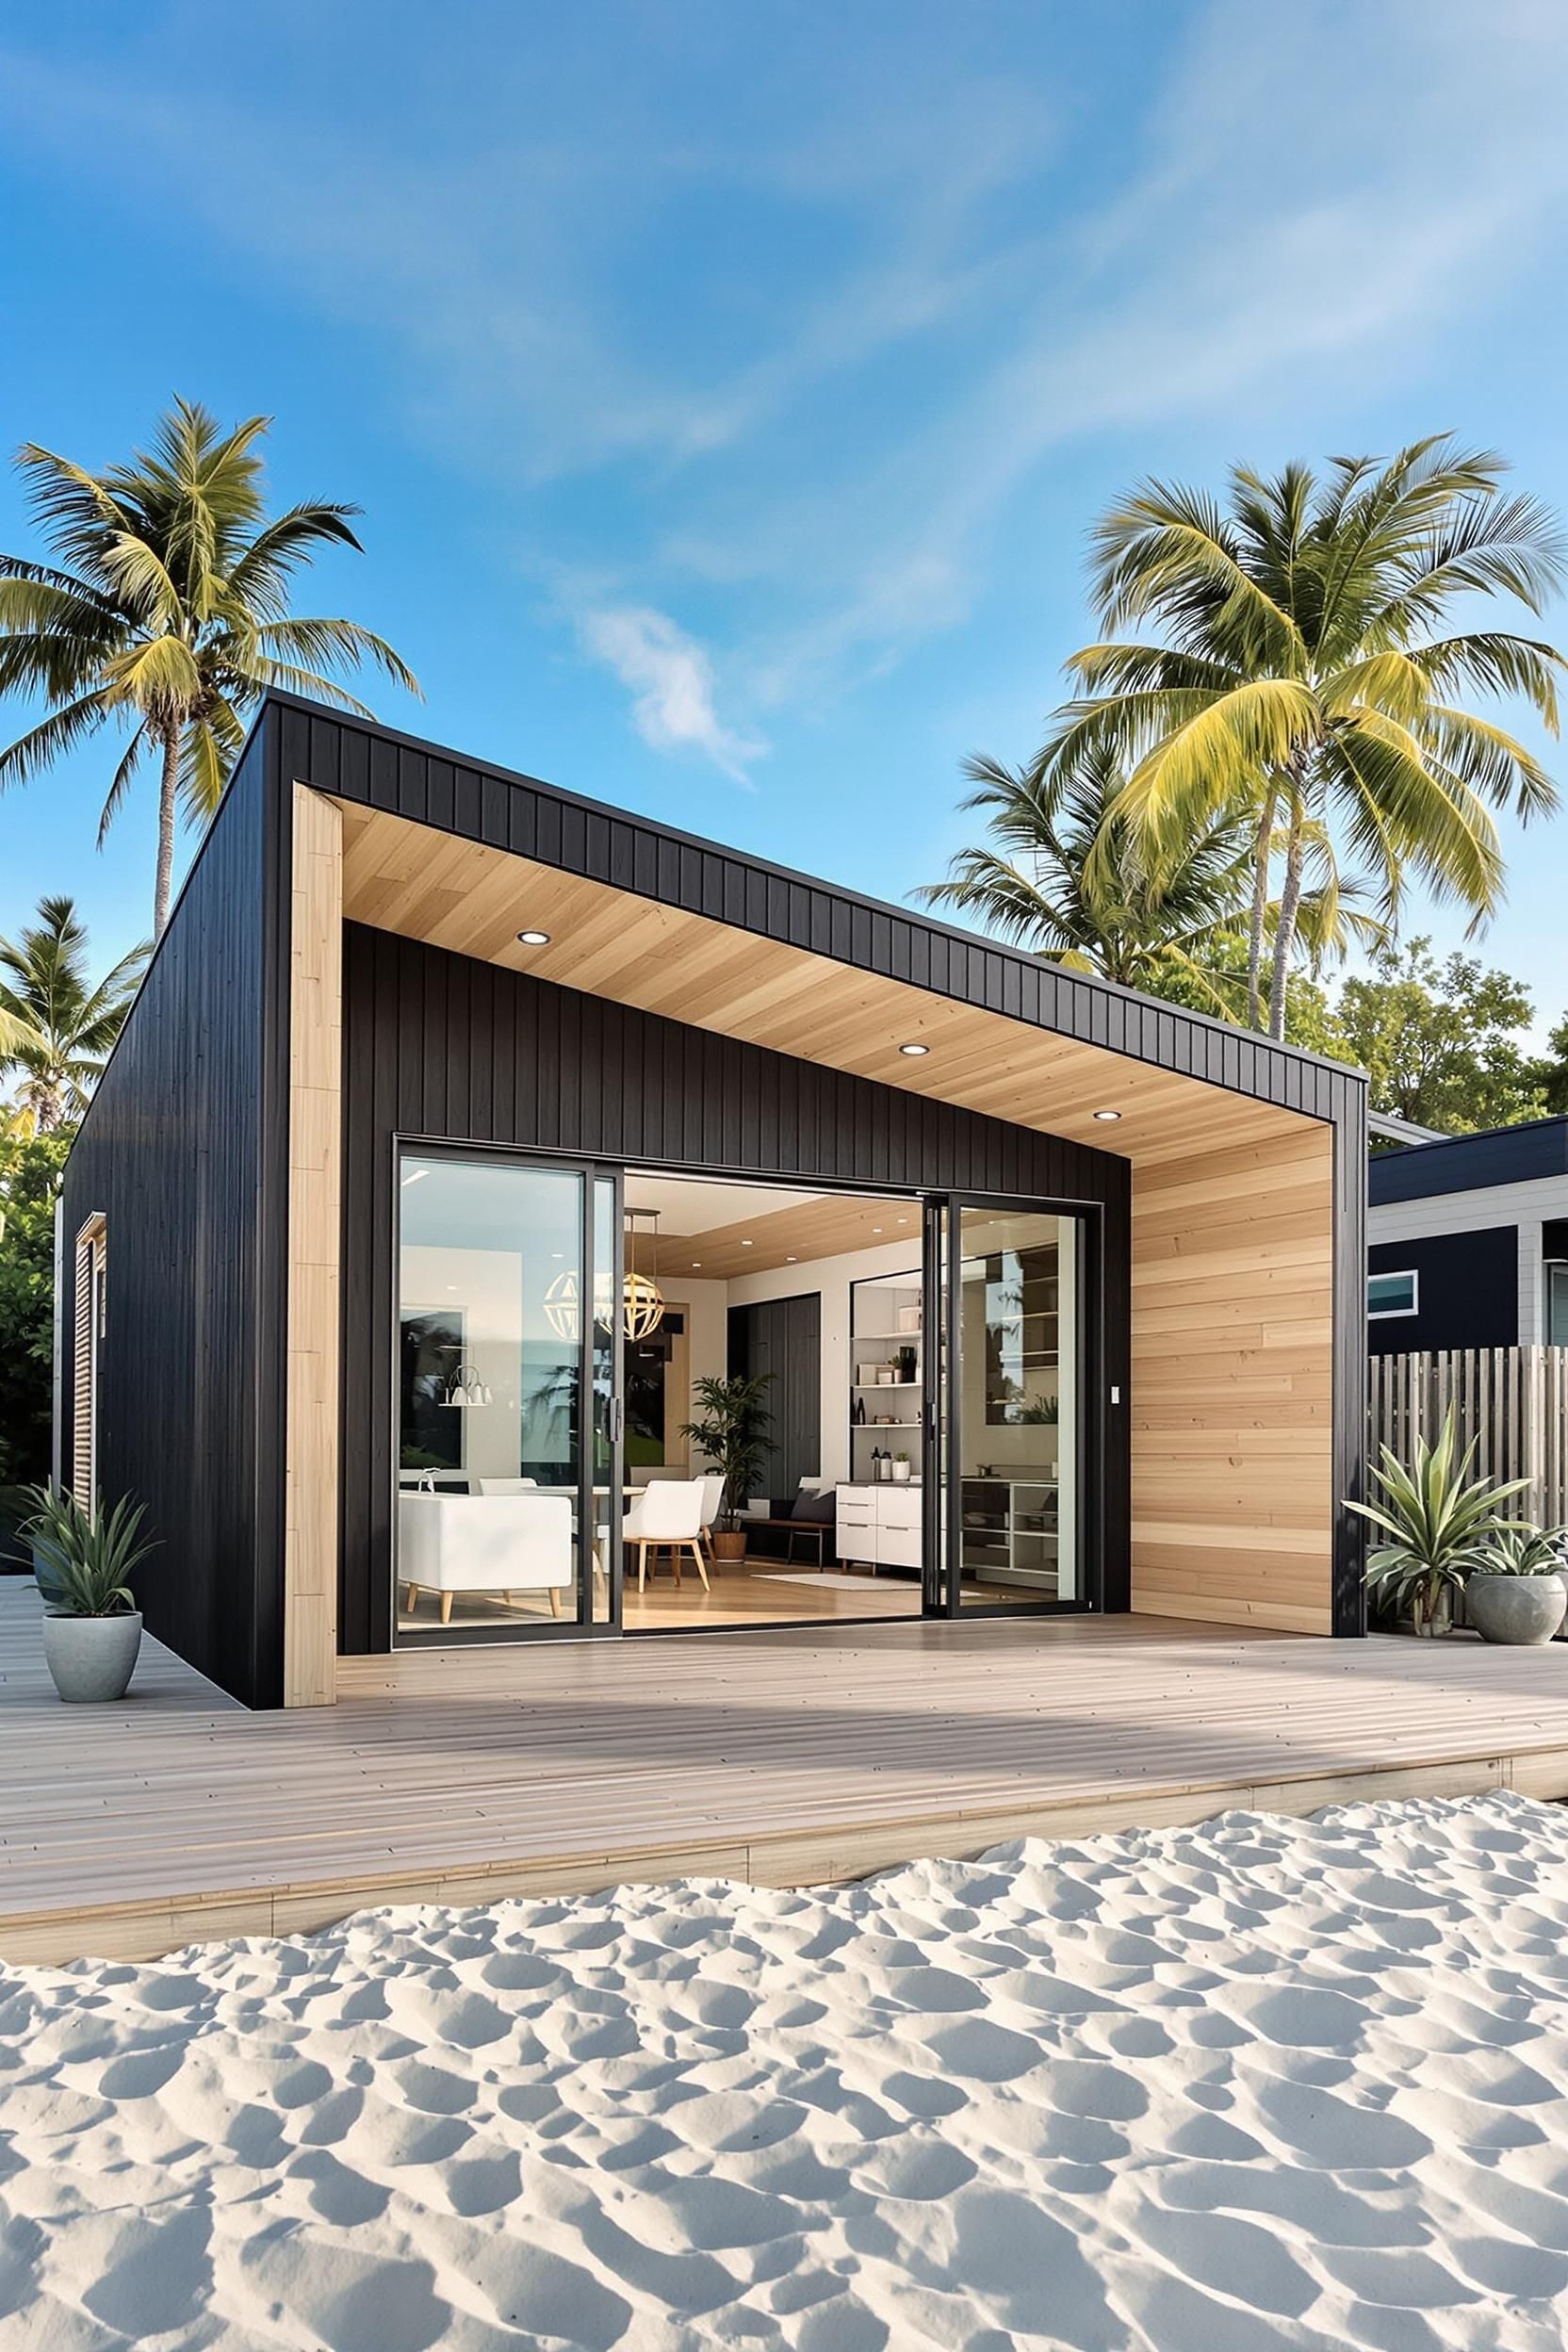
x=885, y=1335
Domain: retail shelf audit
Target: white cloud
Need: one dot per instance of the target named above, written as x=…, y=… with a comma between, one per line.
x=671, y=679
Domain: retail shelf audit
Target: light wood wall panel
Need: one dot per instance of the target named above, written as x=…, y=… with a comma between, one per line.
x=1233, y=1383
x=315, y=1123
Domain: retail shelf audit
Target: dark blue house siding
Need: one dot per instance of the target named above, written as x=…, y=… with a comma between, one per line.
x=1467, y=1288
x=1507, y=1155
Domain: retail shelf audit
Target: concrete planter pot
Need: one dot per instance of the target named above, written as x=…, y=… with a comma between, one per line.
x=91, y=1658
x=1516, y=1609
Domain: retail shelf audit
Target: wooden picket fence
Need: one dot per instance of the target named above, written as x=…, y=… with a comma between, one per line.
x=1513, y=1401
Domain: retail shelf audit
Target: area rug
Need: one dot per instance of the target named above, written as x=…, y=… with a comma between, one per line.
x=835, y=1578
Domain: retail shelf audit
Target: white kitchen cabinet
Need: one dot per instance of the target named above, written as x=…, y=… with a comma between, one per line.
x=880, y=1525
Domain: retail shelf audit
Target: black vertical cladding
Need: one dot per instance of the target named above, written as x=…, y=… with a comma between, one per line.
x=780, y=1339
x=643, y=1090
x=184, y=1150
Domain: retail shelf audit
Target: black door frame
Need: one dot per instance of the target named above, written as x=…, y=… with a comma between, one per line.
x=941, y=1488
x=590, y=1174
x=941, y=1573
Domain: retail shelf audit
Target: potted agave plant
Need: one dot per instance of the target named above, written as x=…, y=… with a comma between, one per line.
x=1516, y=1593
x=83, y=1562
x=1434, y=1521
x=733, y=1436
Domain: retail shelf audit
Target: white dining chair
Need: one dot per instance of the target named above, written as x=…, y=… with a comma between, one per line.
x=713, y=1496
x=666, y=1516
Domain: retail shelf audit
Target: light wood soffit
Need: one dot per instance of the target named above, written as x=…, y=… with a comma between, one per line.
x=473, y=900
x=829, y=1227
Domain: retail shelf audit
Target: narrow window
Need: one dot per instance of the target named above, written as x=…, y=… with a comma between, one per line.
x=91, y=1311
x=1391, y=1294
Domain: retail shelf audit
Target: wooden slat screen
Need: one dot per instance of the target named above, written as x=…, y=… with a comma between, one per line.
x=1512, y=1402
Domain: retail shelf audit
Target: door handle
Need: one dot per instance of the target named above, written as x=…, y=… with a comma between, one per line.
x=617, y=1420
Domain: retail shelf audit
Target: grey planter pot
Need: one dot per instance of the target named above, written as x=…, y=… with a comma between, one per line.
x=1516, y=1609
x=91, y=1658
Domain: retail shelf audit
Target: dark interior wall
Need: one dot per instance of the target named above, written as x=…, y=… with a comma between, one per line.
x=177, y=1153
x=1467, y=1291
x=780, y=1340
x=436, y=1045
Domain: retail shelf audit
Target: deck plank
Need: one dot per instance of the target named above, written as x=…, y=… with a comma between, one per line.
x=807, y=1753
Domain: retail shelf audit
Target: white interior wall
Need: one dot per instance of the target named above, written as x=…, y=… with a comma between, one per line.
x=706, y=1307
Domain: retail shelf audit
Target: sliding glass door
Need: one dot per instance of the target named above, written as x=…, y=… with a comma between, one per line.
x=1006, y=1408
x=508, y=1437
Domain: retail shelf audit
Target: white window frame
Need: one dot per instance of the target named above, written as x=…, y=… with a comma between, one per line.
x=1394, y=1274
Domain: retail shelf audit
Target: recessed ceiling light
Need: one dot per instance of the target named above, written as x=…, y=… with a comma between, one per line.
x=903, y=1220
x=533, y=938
x=695, y=1262
x=792, y=1261
x=749, y=1244
x=876, y=1229
x=1108, y=1115
x=914, y=1049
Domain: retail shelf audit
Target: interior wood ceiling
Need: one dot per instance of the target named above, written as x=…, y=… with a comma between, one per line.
x=473, y=899
x=821, y=1225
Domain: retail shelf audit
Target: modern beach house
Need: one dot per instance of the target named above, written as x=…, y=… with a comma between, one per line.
x=463, y=1126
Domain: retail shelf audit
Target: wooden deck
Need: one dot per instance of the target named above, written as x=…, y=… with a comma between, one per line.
x=793, y=1757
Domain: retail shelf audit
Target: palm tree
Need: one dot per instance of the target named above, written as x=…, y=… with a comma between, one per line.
x=1065, y=874
x=1305, y=664
x=57, y=1029
x=168, y=611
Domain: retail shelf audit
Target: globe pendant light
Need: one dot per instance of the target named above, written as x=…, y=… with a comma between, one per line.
x=642, y=1300
x=561, y=1306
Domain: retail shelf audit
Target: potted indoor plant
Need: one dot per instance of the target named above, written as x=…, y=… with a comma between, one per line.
x=732, y=1436
x=901, y=1469
x=1516, y=1593
x=83, y=1562
x=1434, y=1521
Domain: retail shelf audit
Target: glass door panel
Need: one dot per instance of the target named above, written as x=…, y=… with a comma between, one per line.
x=493, y=1368
x=1013, y=1405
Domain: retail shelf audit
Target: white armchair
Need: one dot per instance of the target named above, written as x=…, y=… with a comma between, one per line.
x=506, y=1543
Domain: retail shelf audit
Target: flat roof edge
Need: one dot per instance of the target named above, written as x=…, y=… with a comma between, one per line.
x=1093, y=984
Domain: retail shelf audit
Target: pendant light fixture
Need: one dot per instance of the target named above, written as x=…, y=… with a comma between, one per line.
x=466, y=1390
x=642, y=1300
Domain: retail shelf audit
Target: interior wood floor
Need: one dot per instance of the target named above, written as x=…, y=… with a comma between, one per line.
x=789, y=1758
x=755, y=1591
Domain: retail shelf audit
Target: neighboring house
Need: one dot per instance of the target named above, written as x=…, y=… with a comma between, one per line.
x=462, y=1124
x=1468, y=1241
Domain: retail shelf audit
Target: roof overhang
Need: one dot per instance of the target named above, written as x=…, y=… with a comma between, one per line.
x=473, y=898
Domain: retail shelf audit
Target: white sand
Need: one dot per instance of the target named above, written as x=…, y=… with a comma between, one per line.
x=1263, y=2082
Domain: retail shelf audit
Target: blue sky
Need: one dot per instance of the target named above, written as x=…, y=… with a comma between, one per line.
x=728, y=387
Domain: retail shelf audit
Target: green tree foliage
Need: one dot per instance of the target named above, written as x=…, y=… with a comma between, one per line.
x=1444, y=1042
x=166, y=611
x=1303, y=658
x=59, y=1028
x=1552, y=1071
x=30, y=1171
x=1035, y=881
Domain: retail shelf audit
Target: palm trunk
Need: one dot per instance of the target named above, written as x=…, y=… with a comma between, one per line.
x=168, y=790
x=1261, y=861
x=1290, y=900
